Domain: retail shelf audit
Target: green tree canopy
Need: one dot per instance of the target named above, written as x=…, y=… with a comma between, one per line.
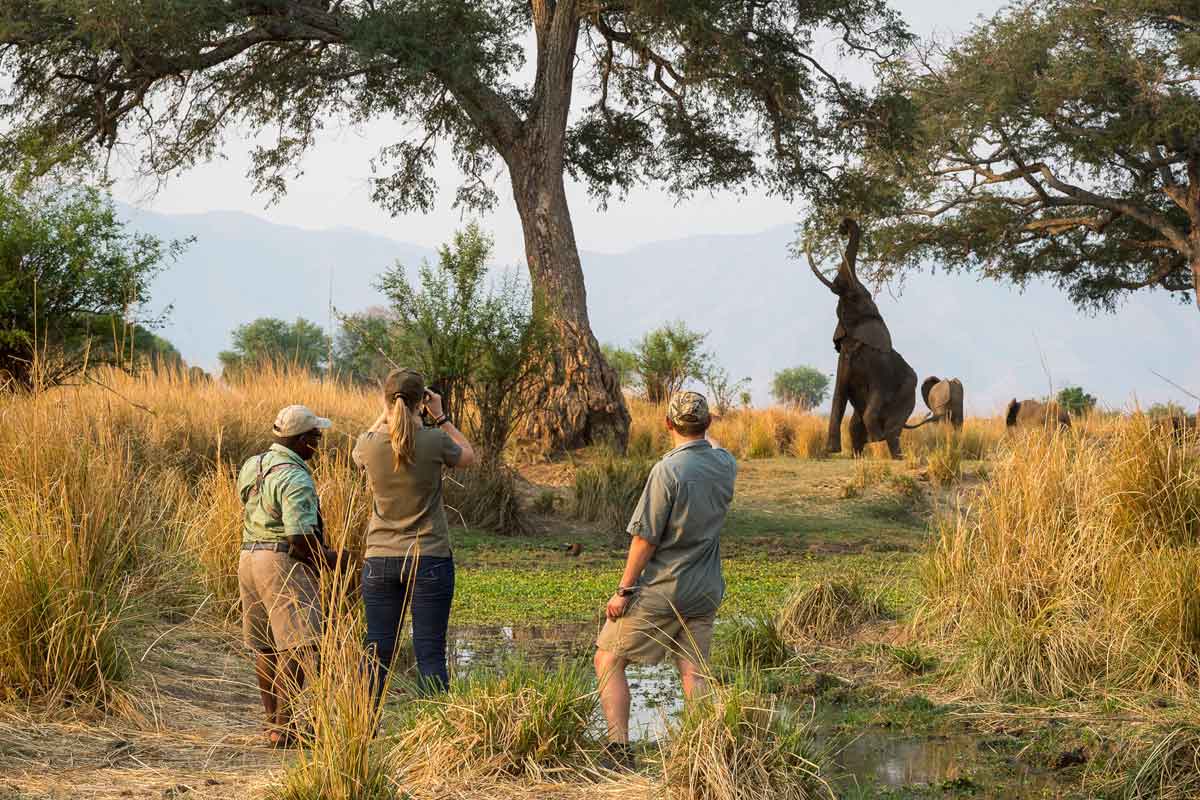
x=805, y=387
x=624, y=363
x=1075, y=400
x=668, y=357
x=1059, y=139
x=272, y=342
x=74, y=283
x=696, y=95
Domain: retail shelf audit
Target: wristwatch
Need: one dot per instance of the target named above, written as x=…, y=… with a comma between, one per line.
x=626, y=591
x=437, y=423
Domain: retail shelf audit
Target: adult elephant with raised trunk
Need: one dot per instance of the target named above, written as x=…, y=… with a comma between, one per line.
x=875, y=379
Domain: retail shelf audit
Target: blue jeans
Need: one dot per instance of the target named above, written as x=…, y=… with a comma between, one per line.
x=389, y=586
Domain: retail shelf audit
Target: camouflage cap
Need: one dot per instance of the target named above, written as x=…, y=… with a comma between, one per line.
x=688, y=408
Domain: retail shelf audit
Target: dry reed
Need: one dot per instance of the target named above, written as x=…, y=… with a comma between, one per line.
x=1076, y=569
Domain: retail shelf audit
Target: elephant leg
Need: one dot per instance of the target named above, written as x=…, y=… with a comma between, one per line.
x=893, y=444
x=858, y=434
x=873, y=419
x=838, y=410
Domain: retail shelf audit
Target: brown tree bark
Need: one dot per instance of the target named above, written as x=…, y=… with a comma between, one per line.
x=580, y=401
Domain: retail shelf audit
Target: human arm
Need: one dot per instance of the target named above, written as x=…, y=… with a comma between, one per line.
x=640, y=552
x=466, y=456
x=301, y=516
x=646, y=529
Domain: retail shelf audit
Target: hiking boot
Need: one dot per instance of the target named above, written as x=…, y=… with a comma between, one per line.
x=618, y=757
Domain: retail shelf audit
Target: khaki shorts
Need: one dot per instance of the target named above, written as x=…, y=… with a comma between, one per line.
x=281, y=604
x=646, y=636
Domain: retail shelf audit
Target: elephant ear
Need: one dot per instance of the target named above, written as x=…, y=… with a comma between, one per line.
x=927, y=386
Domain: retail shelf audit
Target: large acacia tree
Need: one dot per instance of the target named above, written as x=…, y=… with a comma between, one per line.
x=1059, y=139
x=695, y=94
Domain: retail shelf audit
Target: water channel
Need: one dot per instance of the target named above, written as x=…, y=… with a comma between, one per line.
x=863, y=761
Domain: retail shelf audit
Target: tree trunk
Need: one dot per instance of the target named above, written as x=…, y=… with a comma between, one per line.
x=580, y=401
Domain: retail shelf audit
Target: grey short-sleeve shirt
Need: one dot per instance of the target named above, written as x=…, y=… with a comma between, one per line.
x=682, y=511
x=407, y=514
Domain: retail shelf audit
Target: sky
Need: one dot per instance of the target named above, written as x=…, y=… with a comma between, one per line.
x=333, y=190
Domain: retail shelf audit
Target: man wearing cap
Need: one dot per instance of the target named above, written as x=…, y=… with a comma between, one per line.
x=282, y=550
x=668, y=596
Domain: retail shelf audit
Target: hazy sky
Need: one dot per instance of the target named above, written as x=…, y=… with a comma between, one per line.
x=333, y=190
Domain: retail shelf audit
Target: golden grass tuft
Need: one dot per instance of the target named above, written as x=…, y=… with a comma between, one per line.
x=521, y=721
x=829, y=611
x=608, y=491
x=340, y=758
x=1076, y=566
x=1168, y=769
x=735, y=745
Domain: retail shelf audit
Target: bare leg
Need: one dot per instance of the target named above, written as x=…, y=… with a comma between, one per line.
x=289, y=680
x=614, y=694
x=694, y=684
x=264, y=673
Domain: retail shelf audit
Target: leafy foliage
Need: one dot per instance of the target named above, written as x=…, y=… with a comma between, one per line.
x=1075, y=400
x=706, y=94
x=668, y=357
x=1056, y=141
x=723, y=390
x=481, y=347
x=272, y=342
x=73, y=281
x=624, y=362
x=805, y=387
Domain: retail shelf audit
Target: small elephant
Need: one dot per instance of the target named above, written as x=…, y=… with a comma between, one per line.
x=875, y=379
x=944, y=399
x=1033, y=413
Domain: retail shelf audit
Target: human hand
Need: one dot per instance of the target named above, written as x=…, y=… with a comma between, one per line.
x=433, y=403
x=616, y=607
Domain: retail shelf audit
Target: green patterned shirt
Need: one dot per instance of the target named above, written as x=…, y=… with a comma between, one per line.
x=287, y=505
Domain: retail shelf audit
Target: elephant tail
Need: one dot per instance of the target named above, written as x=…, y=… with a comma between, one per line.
x=1010, y=418
x=927, y=386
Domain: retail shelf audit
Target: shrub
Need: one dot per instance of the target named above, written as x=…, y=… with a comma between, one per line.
x=803, y=387
x=828, y=611
x=608, y=492
x=750, y=643
x=485, y=496
x=517, y=721
x=1077, y=565
x=735, y=745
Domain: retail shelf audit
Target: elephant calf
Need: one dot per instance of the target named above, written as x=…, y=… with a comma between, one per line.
x=1034, y=413
x=944, y=399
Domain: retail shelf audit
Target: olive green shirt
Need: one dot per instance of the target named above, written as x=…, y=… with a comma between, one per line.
x=682, y=511
x=286, y=506
x=407, y=514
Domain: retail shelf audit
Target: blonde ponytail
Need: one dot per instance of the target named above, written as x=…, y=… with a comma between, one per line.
x=403, y=430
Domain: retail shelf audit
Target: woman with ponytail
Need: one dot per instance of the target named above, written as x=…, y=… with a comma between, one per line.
x=408, y=558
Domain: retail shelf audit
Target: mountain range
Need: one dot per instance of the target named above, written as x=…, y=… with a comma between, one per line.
x=762, y=310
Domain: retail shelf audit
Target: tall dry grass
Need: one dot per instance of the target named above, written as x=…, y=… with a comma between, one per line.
x=1076, y=568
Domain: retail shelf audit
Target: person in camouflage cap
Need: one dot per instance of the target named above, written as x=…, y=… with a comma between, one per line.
x=672, y=586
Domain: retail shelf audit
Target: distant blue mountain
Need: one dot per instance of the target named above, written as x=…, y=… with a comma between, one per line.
x=763, y=311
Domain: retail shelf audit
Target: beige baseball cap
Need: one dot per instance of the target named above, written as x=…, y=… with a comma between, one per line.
x=295, y=420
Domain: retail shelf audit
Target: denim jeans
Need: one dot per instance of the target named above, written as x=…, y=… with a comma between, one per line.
x=390, y=585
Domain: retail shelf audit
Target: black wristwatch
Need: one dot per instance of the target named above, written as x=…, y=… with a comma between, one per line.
x=626, y=591
x=437, y=423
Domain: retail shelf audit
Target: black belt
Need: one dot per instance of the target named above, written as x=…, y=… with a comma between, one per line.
x=278, y=547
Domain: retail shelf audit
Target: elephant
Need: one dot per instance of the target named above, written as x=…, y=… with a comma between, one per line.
x=875, y=379
x=944, y=399
x=1032, y=413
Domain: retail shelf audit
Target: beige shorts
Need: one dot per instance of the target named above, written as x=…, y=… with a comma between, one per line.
x=646, y=636
x=281, y=603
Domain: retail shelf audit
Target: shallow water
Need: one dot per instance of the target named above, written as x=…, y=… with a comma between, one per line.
x=870, y=758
